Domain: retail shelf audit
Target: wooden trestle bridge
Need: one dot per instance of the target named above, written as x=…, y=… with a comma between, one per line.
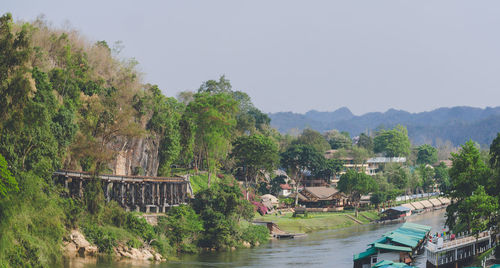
x=139, y=193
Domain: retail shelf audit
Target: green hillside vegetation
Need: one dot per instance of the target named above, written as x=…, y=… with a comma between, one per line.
x=67, y=103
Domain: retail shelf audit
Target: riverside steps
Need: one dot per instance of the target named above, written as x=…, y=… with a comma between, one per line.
x=139, y=193
x=458, y=251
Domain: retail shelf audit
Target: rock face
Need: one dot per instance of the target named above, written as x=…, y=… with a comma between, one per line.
x=79, y=246
x=143, y=254
x=136, y=154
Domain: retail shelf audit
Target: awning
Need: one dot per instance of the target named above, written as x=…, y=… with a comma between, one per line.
x=365, y=254
x=392, y=247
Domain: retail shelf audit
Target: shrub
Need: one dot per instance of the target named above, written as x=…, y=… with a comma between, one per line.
x=255, y=233
x=140, y=227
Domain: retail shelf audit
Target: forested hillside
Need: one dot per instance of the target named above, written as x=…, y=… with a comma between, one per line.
x=456, y=124
x=70, y=103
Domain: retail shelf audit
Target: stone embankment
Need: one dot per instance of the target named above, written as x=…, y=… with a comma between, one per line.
x=78, y=246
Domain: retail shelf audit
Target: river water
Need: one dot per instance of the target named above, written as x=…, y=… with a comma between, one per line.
x=329, y=248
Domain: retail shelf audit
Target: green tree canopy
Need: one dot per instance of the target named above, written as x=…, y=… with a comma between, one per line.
x=355, y=184
x=365, y=141
x=392, y=143
x=299, y=159
x=466, y=175
x=426, y=154
x=254, y=153
x=338, y=140
x=210, y=120
x=7, y=182
x=313, y=138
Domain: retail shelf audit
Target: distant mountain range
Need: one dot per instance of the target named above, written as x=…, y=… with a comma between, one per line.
x=455, y=124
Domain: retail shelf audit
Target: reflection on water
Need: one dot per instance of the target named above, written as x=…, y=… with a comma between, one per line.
x=330, y=248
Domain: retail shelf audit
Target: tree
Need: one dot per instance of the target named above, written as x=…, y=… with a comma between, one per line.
x=8, y=183
x=355, y=184
x=166, y=114
x=220, y=207
x=397, y=175
x=183, y=227
x=313, y=138
x=392, y=143
x=254, y=153
x=299, y=159
x=426, y=154
x=466, y=175
x=210, y=120
x=442, y=177
x=427, y=175
x=16, y=83
x=365, y=141
x=478, y=210
x=338, y=140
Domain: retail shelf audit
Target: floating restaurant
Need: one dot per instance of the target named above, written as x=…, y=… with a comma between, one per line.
x=400, y=245
x=454, y=251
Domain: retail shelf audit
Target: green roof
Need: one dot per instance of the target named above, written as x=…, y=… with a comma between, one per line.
x=404, y=240
x=391, y=247
x=387, y=264
x=364, y=254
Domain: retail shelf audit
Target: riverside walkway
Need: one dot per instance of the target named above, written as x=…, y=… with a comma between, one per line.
x=139, y=193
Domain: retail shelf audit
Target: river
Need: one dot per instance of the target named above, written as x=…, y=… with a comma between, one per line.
x=329, y=248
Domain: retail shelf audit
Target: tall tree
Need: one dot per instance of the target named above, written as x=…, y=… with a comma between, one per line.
x=313, y=138
x=166, y=114
x=392, y=143
x=212, y=121
x=355, y=184
x=338, y=140
x=365, y=141
x=426, y=154
x=16, y=83
x=466, y=175
x=255, y=153
x=299, y=159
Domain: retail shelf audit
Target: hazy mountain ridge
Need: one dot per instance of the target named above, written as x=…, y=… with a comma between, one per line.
x=456, y=124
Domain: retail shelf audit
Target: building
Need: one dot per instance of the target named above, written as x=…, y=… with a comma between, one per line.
x=322, y=197
x=400, y=245
x=396, y=213
x=285, y=190
x=374, y=164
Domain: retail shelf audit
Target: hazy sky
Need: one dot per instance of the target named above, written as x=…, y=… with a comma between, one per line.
x=299, y=55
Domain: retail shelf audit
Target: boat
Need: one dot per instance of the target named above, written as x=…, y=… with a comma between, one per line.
x=453, y=251
x=398, y=246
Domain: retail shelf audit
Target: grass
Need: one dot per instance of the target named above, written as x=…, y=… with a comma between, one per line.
x=317, y=221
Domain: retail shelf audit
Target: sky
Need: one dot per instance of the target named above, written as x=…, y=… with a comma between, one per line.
x=300, y=55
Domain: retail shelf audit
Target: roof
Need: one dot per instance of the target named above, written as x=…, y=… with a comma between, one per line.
x=399, y=208
x=364, y=254
x=408, y=206
x=444, y=200
x=380, y=160
x=388, y=264
x=417, y=205
x=409, y=235
x=285, y=186
x=426, y=203
x=269, y=197
x=391, y=247
x=321, y=192
x=435, y=202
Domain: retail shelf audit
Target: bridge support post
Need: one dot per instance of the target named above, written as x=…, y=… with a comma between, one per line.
x=132, y=193
x=80, y=188
x=122, y=193
x=172, y=194
x=142, y=194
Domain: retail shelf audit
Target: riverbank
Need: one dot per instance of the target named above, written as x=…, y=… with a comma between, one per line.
x=317, y=221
